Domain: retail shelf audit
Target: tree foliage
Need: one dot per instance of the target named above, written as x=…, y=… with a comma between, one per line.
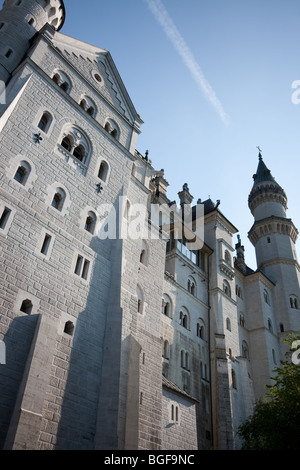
x=275, y=423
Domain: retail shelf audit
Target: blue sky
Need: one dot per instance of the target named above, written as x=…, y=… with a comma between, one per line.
x=212, y=80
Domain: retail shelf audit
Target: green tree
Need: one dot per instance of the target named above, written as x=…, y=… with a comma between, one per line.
x=275, y=423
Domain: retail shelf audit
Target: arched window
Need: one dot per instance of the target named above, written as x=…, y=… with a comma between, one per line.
x=103, y=171
x=226, y=288
x=294, y=302
x=266, y=297
x=22, y=173
x=58, y=199
x=191, y=285
x=90, y=222
x=227, y=257
x=112, y=128
x=62, y=80
x=238, y=291
x=79, y=152
x=67, y=143
x=77, y=144
x=144, y=254
x=45, y=122
x=166, y=306
x=245, y=350
x=26, y=306
x=184, y=319
x=88, y=105
x=228, y=324
x=200, y=330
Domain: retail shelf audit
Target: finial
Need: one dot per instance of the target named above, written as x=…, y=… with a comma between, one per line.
x=260, y=153
x=146, y=155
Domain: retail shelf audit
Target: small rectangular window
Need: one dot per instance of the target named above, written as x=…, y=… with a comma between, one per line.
x=4, y=217
x=82, y=267
x=46, y=244
x=85, y=270
x=78, y=265
x=8, y=53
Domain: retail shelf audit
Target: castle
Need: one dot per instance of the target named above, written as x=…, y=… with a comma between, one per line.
x=115, y=341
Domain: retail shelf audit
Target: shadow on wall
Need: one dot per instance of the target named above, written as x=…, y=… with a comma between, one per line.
x=17, y=340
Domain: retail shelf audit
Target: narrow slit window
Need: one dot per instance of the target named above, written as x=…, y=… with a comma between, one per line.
x=78, y=265
x=82, y=267
x=46, y=244
x=8, y=53
x=85, y=270
x=4, y=217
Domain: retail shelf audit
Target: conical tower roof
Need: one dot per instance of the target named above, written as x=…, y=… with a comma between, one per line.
x=265, y=187
x=263, y=173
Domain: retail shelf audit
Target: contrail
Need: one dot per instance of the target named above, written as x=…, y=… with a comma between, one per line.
x=170, y=29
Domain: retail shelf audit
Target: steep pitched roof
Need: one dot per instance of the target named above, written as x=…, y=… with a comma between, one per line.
x=171, y=386
x=263, y=173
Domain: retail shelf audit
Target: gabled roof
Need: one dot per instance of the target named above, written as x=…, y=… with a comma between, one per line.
x=87, y=58
x=174, y=388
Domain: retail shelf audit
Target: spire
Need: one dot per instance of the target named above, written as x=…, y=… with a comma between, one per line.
x=266, y=189
x=263, y=173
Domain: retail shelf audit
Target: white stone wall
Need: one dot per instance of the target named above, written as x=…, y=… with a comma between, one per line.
x=178, y=435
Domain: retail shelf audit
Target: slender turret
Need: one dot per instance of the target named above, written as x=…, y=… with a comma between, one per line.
x=274, y=237
x=20, y=20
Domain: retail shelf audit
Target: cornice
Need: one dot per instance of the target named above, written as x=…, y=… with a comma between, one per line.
x=266, y=192
x=272, y=262
x=271, y=225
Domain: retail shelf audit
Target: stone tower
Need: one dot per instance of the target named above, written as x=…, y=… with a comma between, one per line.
x=274, y=236
x=20, y=20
